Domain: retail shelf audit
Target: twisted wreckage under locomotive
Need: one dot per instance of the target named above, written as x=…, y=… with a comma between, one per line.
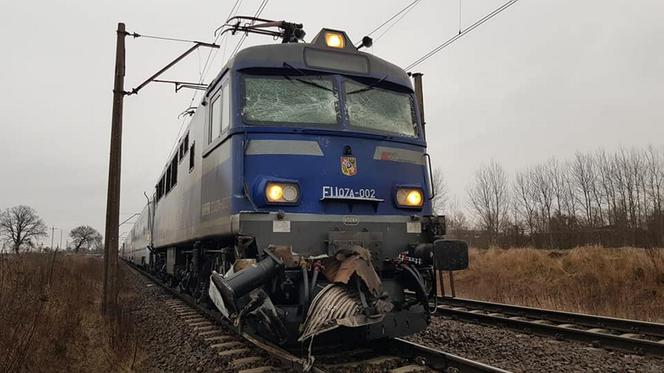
x=298, y=199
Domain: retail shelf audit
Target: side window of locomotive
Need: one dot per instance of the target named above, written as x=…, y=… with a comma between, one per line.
x=215, y=119
x=168, y=179
x=174, y=171
x=226, y=107
x=289, y=100
x=192, y=151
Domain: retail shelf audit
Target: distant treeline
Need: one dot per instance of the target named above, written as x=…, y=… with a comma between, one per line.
x=606, y=198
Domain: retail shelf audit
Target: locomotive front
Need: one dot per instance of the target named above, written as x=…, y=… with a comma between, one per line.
x=330, y=206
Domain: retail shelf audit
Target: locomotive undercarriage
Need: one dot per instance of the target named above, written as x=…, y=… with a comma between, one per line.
x=355, y=290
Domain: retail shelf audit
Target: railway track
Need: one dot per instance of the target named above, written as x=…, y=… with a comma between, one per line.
x=251, y=354
x=612, y=333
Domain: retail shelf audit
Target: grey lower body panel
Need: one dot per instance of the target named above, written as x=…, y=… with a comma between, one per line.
x=314, y=234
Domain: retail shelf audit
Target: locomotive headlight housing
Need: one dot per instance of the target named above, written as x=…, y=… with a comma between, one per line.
x=409, y=197
x=335, y=40
x=282, y=193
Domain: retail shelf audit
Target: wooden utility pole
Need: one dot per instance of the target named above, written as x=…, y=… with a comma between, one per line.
x=110, y=291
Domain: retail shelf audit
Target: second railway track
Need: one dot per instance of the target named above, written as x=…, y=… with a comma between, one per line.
x=249, y=354
x=613, y=333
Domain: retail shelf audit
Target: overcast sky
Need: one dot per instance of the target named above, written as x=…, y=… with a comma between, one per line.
x=544, y=78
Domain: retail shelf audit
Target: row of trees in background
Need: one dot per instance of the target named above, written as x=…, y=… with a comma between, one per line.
x=607, y=198
x=21, y=228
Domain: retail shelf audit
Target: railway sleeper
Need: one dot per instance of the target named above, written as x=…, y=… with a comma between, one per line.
x=245, y=362
x=382, y=362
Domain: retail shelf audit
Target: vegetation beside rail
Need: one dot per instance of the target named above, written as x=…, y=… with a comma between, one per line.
x=623, y=282
x=50, y=319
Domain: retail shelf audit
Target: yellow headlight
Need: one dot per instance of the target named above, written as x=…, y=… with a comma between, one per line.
x=274, y=193
x=410, y=197
x=334, y=40
x=414, y=198
x=282, y=192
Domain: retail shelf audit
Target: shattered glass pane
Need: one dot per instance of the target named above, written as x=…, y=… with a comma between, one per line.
x=296, y=99
x=379, y=109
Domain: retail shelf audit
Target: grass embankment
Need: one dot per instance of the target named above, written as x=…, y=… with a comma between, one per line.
x=50, y=319
x=624, y=282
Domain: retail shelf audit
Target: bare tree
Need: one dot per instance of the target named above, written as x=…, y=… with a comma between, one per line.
x=20, y=226
x=455, y=218
x=85, y=237
x=439, y=201
x=524, y=203
x=489, y=197
x=582, y=174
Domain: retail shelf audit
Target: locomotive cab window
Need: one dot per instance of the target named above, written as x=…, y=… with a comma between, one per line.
x=289, y=99
x=378, y=109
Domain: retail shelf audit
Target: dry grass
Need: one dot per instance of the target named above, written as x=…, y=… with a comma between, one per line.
x=624, y=282
x=49, y=317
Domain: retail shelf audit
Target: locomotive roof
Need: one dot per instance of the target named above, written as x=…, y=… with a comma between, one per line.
x=299, y=56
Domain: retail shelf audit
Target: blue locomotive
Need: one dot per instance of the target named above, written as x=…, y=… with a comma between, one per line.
x=298, y=200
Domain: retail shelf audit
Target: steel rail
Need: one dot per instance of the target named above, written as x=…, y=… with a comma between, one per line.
x=432, y=358
x=437, y=359
x=622, y=334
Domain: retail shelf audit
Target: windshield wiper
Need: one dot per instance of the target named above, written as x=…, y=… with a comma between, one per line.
x=302, y=80
x=369, y=87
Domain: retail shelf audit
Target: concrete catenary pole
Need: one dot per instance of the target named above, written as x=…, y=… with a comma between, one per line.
x=110, y=289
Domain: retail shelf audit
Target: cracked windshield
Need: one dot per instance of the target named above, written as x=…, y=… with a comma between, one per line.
x=289, y=100
x=379, y=109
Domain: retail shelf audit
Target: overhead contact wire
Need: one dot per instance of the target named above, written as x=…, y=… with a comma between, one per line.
x=261, y=7
x=397, y=21
x=409, y=6
x=462, y=33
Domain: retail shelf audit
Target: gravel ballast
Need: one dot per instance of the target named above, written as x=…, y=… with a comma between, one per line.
x=166, y=342
x=520, y=352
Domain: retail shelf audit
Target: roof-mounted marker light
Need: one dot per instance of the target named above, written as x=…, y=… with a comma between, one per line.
x=334, y=40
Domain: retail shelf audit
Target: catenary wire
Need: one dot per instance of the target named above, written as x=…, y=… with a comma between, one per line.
x=462, y=33
x=412, y=4
x=203, y=74
x=137, y=35
x=261, y=7
x=397, y=21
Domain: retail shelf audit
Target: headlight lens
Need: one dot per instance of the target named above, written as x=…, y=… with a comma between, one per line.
x=410, y=197
x=282, y=193
x=334, y=40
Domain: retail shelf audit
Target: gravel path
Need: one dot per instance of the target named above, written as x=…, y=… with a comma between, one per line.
x=167, y=343
x=518, y=352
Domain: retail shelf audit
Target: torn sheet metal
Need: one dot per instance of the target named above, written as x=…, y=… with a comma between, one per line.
x=256, y=305
x=259, y=306
x=215, y=294
x=332, y=307
x=285, y=254
x=346, y=262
